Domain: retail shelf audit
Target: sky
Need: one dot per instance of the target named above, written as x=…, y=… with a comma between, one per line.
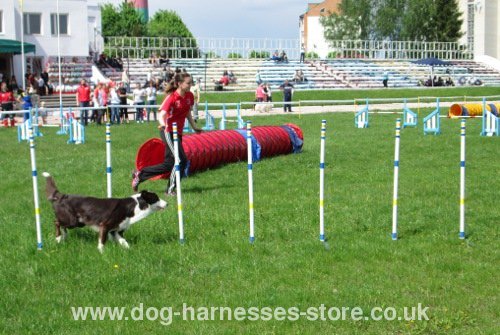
x=235, y=18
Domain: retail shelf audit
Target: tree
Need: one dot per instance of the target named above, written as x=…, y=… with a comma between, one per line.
x=414, y=20
x=121, y=21
x=353, y=21
x=167, y=23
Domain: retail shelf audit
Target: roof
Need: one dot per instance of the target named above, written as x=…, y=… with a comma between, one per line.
x=15, y=47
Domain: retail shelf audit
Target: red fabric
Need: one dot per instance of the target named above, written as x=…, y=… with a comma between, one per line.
x=6, y=97
x=211, y=149
x=177, y=109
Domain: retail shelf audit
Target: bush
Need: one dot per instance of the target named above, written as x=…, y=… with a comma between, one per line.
x=333, y=54
x=260, y=54
x=233, y=55
x=312, y=55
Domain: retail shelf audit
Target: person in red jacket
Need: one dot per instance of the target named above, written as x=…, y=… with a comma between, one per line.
x=7, y=103
x=176, y=107
x=83, y=100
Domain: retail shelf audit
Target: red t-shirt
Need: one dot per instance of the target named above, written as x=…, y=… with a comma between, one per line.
x=177, y=109
x=6, y=97
x=83, y=93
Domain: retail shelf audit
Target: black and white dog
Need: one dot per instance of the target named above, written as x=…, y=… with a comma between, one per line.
x=107, y=216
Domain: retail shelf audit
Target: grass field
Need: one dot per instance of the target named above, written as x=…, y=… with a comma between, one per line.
x=287, y=266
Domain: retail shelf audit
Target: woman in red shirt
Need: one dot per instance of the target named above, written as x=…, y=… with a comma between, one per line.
x=176, y=107
x=7, y=103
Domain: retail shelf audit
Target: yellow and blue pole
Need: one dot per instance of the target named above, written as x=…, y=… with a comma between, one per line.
x=462, y=180
x=250, y=181
x=178, y=183
x=34, y=174
x=322, y=183
x=108, y=158
x=396, y=179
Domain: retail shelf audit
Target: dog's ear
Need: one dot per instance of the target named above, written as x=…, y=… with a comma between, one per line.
x=142, y=202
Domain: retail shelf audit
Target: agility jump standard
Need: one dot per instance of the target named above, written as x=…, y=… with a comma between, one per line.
x=34, y=174
x=396, y=179
x=250, y=181
x=178, y=183
x=322, y=183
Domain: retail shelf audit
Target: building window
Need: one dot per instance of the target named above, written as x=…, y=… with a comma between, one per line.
x=32, y=23
x=470, y=26
x=1, y=22
x=63, y=23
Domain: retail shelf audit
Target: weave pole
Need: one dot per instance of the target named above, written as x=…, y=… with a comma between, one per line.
x=34, y=174
x=108, y=158
x=322, y=183
x=396, y=179
x=462, y=180
x=178, y=183
x=250, y=181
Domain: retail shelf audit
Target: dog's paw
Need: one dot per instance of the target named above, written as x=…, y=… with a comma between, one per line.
x=124, y=243
x=100, y=247
x=59, y=238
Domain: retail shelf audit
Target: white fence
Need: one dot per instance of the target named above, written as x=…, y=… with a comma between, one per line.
x=143, y=47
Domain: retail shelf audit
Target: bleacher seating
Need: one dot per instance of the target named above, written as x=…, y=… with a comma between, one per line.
x=330, y=74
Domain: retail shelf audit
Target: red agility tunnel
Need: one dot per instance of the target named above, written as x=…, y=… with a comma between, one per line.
x=211, y=149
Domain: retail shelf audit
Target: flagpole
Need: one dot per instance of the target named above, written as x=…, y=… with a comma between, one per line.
x=59, y=61
x=22, y=46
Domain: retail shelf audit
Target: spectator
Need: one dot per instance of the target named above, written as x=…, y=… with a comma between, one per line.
x=114, y=100
x=269, y=93
x=126, y=80
x=7, y=103
x=83, y=100
x=276, y=56
x=287, y=89
x=122, y=94
x=232, y=77
x=138, y=97
x=260, y=95
x=195, y=89
x=13, y=84
x=385, y=79
x=284, y=57
x=151, y=100
x=258, y=78
x=26, y=104
x=302, y=53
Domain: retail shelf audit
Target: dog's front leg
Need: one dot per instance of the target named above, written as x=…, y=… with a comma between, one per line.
x=103, y=236
x=59, y=237
x=120, y=239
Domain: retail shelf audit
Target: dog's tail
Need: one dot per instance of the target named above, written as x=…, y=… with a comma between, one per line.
x=50, y=188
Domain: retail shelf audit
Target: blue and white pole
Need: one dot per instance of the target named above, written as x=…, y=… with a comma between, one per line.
x=178, y=182
x=396, y=179
x=322, y=183
x=250, y=181
x=34, y=174
x=108, y=158
x=462, y=180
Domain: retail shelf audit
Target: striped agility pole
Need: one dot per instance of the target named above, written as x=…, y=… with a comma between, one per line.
x=462, y=179
x=396, y=178
x=178, y=183
x=108, y=158
x=250, y=181
x=322, y=183
x=35, y=188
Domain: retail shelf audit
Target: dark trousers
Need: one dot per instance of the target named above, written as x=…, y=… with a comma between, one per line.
x=287, y=105
x=168, y=162
x=84, y=113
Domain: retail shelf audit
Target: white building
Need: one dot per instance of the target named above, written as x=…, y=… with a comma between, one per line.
x=481, y=27
x=79, y=33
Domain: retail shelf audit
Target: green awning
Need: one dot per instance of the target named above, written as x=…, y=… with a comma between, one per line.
x=14, y=47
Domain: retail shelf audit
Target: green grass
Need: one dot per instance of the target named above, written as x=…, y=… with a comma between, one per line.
x=287, y=266
x=233, y=97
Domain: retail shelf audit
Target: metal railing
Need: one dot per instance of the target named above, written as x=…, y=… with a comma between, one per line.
x=174, y=47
